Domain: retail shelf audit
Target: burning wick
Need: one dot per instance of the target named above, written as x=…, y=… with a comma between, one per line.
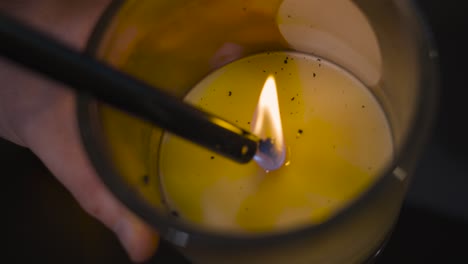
x=266, y=124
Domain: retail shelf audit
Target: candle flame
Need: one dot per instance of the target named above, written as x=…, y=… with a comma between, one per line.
x=267, y=125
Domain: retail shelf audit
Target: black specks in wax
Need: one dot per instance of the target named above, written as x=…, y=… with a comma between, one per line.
x=145, y=179
x=175, y=213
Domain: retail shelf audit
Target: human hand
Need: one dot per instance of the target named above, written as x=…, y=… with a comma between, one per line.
x=40, y=114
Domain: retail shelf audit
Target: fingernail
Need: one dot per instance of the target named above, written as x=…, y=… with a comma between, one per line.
x=137, y=239
x=123, y=229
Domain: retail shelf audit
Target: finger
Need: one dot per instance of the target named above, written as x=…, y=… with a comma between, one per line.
x=53, y=136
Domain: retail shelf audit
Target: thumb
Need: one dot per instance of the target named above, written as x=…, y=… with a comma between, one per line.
x=53, y=136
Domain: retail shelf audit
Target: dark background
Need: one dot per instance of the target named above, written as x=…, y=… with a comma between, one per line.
x=43, y=222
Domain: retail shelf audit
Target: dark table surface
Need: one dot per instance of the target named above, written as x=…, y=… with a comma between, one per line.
x=44, y=223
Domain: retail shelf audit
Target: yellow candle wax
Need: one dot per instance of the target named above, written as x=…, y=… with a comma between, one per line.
x=336, y=134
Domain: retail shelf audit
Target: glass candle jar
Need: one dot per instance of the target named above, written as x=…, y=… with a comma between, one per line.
x=176, y=45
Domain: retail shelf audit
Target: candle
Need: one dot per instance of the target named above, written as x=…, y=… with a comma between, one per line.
x=336, y=137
